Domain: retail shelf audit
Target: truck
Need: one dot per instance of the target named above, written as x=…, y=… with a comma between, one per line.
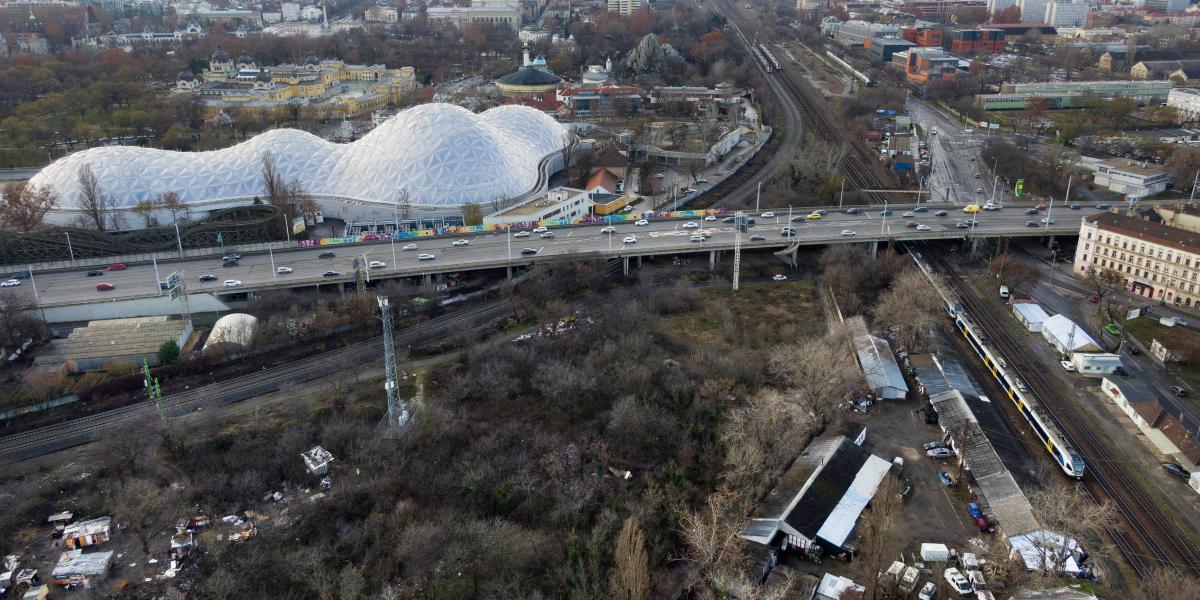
x=935, y=552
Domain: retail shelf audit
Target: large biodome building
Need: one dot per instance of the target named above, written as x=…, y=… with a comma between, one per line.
x=442, y=156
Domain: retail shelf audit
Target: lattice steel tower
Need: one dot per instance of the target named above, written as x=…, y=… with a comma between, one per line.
x=397, y=409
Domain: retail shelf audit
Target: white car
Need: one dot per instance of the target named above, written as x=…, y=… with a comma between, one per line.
x=927, y=591
x=609, y=229
x=957, y=582
x=1067, y=366
x=409, y=247
x=11, y=283
x=541, y=229
x=521, y=234
x=780, y=277
x=768, y=215
x=922, y=228
x=376, y=264
x=710, y=218
x=461, y=243
x=426, y=257
x=283, y=270
x=641, y=223
x=232, y=282
x=690, y=225
x=848, y=233
x=547, y=235
x=632, y=239
x=697, y=238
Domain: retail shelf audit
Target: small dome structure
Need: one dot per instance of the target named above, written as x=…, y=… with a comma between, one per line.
x=233, y=332
x=187, y=76
x=220, y=55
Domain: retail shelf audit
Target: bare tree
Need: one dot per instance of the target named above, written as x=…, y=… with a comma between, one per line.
x=170, y=202
x=403, y=204
x=817, y=372
x=24, y=205
x=142, y=505
x=570, y=143
x=1017, y=275
x=92, y=199
x=630, y=578
x=1071, y=512
x=908, y=310
x=876, y=527
x=288, y=196
x=761, y=437
x=1165, y=582
x=19, y=321
x=1104, y=281
x=145, y=210
x=711, y=535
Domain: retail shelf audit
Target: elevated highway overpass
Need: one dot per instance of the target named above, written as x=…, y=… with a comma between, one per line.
x=257, y=272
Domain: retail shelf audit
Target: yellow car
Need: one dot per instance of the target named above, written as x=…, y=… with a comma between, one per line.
x=971, y=208
x=813, y=216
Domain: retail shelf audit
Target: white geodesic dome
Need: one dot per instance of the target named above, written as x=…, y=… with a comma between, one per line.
x=442, y=155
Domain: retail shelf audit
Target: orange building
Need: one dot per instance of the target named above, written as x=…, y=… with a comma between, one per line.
x=925, y=37
x=923, y=65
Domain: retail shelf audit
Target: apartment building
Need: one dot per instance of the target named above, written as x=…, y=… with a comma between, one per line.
x=624, y=7
x=1066, y=14
x=1186, y=102
x=977, y=41
x=925, y=37
x=1156, y=260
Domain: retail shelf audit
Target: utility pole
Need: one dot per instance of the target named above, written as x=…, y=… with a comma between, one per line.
x=153, y=390
x=1195, y=180
x=397, y=408
x=757, y=197
x=739, y=220
x=842, y=192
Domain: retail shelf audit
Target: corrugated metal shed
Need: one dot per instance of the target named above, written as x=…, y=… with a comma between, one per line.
x=837, y=527
x=877, y=361
x=1004, y=497
x=1030, y=315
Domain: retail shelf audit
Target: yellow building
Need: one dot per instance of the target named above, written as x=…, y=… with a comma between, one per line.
x=317, y=89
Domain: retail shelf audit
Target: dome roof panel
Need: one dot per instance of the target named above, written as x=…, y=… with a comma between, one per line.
x=441, y=154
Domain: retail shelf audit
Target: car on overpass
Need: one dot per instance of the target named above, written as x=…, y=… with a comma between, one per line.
x=105, y=287
x=11, y=283
x=521, y=234
x=207, y=278
x=541, y=229
x=331, y=274
x=528, y=251
x=283, y=270
x=848, y=233
x=463, y=242
x=971, y=208
x=426, y=257
x=631, y=239
x=409, y=247
x=117, y=267
x=232, y=282
x=95, y=273
x=326, y=255
x=376, y=264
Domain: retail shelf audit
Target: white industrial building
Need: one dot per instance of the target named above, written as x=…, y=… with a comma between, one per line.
x=1095, y=363
x=1030, y=315
x=1186, y=102
x=1131, y=178
x=1068, y=337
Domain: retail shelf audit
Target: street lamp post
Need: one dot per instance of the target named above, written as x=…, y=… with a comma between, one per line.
x=287, y=228
x=271, y=253
x=1195, y=180
x=995, y=180
x=69, y=248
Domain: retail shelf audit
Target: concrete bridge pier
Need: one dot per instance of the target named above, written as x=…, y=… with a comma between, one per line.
x=508, y=272
x=625, y=265
x=427, y=279
x=975, y=241
x=712, y=260
x=639, y=262
x=874, y=248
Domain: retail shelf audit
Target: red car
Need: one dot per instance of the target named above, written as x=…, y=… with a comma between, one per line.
x=104, y=287
x=117, y=267
x=1041, y=207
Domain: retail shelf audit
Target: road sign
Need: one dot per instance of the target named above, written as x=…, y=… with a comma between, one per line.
x=1019, y=189
x=173, y=279
x=993, y=126
x=175, y=293
x=1133, y=314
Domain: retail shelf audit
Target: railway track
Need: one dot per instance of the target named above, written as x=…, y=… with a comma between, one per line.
x=79, y=431
x=813, y=114
x=1149, y=538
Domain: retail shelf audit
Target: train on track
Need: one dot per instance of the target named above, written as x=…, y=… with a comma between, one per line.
x=1031, y=409
x=765, y=58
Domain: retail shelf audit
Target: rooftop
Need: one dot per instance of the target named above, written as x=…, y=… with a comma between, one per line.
x=89, y=527
x=1132, y=166
x=1148, y=231
x=75, y=562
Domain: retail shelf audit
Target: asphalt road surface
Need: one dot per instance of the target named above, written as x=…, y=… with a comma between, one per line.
x=487, y=250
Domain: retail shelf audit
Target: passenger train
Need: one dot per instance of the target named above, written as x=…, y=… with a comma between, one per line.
x=766, y=58
x=1053, y=440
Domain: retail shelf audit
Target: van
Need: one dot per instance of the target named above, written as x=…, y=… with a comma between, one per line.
x=1004, y=291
